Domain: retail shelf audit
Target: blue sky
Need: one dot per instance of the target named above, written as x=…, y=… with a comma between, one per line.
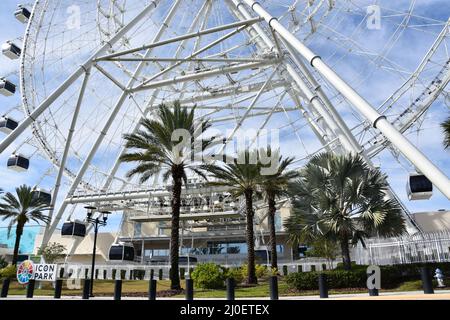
x=411, y=46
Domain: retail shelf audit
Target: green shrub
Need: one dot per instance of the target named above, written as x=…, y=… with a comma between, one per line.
x=208, y=276
x=235, y=273
x=391, y=276
x=302, y=280
x=8, y=272
x=260, y=270
x=336, y=279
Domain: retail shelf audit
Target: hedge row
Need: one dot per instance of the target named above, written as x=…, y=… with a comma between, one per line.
x=391, y=276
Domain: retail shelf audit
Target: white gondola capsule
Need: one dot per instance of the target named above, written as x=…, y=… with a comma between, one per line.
x=22, y=14
x=7, y=124
x=74, y=228
x=18, y=162
x=43, y=195
x=11, y=50
x=419, y=187
x=121, y=252
x=7, y=88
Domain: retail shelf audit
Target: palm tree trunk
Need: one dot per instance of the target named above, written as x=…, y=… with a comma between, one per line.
x=251, y=278
x=345, y=251
x=295, y=252
x=19, y=232
x=175, y=233
x=272, y=234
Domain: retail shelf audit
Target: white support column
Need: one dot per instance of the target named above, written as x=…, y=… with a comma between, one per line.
x=47, y=234
x=420, y=161
x=333, y=120
x=344, y=133
x=73, y=77
x=318, y=131
x=265, y=42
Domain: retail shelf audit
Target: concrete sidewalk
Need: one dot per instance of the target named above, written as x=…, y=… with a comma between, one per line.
x=407, y=295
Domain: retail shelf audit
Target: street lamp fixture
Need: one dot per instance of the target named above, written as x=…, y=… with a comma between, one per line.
x=96, y=222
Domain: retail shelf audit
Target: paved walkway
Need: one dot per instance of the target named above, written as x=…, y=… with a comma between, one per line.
x=409, y=295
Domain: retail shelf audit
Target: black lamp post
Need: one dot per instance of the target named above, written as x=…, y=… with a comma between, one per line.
x=96, y=222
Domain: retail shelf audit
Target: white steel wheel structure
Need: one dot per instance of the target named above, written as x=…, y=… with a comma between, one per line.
x=90, y=70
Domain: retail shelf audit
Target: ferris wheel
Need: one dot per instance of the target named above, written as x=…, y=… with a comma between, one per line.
x=311, y=69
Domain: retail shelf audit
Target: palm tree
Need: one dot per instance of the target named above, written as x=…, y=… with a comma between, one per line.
x=155, y=151
x=446, y=126
x=20, y=210
x=242, y=176
x=340, y=198
x=274, y=186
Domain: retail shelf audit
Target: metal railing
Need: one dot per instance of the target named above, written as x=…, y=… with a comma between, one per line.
x=418, y=248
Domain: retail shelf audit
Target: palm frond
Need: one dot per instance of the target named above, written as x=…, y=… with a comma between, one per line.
x=446, y=127
x=347, y=197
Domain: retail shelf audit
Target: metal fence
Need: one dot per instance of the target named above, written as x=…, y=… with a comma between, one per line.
x=425, y=247
x=131, y=271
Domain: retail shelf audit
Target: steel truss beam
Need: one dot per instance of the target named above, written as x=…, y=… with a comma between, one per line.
x=324, y=134
x=204, y=9
x=380, y=122
x=196, y=53
x=184, y=37
x=153, y=59
x=322, y=105
x=109, y=121
x=204, y=74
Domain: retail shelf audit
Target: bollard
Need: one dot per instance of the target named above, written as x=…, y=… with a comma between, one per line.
x=323, y=288
x=427, y=283
x=160, y=274
x=5, y=287
x=152, y=274
x=152, y=290
x=273, y=287
x=373, y=292
x=230, y=288
x=58, y=289
x=118, y=290
x=30, y=288
x=189, y=289
x=87, y=285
